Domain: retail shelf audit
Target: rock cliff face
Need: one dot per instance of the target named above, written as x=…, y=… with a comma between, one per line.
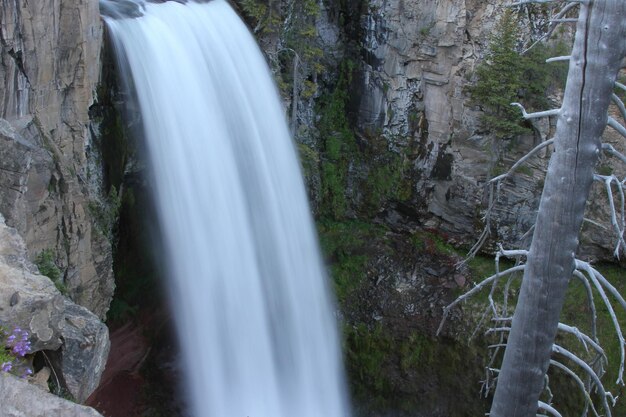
x=417, y=58
x=76, y=341
x=49, y=70
x=50, y=63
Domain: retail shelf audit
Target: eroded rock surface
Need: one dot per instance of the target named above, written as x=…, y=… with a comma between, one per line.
x=50, y=56
x=31, y=301
x=22, y=399
x=415, y=58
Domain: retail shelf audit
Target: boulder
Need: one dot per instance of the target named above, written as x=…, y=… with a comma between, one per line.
x=31, y=301
x=22, y=399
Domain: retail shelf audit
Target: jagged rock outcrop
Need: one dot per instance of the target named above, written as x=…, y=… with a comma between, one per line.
x=80, y=341
x=49, y=69
x=22, y=399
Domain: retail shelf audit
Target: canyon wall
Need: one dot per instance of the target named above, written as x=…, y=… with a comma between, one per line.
x=50, y=70
x=404, y=67
x=50, y=197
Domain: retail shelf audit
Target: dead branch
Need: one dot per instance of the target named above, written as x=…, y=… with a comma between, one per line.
x=475, y=290
x=608, y=148
x=617, y=126
x=620, y=105
x=583, y=339
x=535, y=115
x=603, y=393
x=619, y=230
x=592, y=304
x=592, y=273
x=523, y=2
x=578, y=382
x=553, y=26
x=522, y=160
x=568, y=20
x=559, y=58
x=548, y=408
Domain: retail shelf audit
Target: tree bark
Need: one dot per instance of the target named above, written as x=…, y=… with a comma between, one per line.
x=599, y=47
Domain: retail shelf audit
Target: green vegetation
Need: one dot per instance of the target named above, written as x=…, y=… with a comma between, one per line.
x=505, y=76
x=387, y=175
x=385, y=371
x=267, y=18
x=47, y=266
x=106, y=213
x=137, y=275
x=604, y=169
x=499, y=78
x=338, y=144
x=344, y=245
x=14, y=346
x=366, y=352
x=432, y=242
x=375, y=173
x=576, y=312
x=309, y=161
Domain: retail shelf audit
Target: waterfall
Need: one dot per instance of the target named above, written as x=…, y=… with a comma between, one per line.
x=252, y=307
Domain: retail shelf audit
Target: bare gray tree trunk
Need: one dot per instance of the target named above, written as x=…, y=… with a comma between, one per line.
x=598, y=50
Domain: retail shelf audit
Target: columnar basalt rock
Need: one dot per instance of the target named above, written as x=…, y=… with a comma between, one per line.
x=50, y=56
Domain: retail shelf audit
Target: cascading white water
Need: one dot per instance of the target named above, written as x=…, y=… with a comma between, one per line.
x=253, y=311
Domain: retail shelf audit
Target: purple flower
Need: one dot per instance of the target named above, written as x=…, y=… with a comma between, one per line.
x=18, y=342
x=6, y=366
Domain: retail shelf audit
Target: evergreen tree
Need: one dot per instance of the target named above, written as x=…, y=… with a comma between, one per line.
x=499, y=80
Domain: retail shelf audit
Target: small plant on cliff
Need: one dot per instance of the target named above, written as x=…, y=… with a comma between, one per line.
x=14, y=346
x=47, y=266
x=106, y=212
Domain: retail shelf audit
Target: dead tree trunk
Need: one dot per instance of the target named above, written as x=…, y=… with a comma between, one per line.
x=598, y=50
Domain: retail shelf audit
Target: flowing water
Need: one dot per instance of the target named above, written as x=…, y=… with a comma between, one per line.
x=252, y=306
